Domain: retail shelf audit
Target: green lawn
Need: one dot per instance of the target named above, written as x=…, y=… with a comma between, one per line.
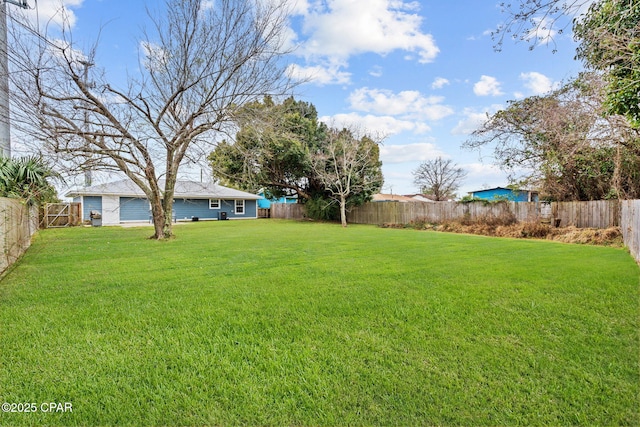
x=284, y=323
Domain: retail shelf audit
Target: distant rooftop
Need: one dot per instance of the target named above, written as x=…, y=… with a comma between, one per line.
x=184, y=189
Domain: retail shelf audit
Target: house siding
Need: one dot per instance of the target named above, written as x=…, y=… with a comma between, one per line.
x=250, y=209
x=90, y=203
x=137, y=209
x=188, y=208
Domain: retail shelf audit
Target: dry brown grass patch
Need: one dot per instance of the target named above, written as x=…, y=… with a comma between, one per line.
x=506, y=227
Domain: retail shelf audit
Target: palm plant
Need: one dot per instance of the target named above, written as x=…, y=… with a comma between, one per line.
x=27, y=178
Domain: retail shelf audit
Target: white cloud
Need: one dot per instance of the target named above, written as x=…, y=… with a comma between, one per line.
x=65, y=53
x=300, y=7
x=487, y=86
x=439, y=83
x=407, y=104
x=319, y=74
x=537, y=83
x=376, y=71
x=342, y=28
x=482, y=170
x=50, y=12
x=471, y=122
x=409, y=153
x=473, y=119
x=378, y=126
x=482, y=175
x=155, y=56
x=542, y=31
x=206, y=5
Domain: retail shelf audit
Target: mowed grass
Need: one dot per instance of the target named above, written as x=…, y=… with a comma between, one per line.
x=287, y=323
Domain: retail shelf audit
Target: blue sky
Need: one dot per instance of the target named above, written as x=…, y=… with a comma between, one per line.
x=422, y=73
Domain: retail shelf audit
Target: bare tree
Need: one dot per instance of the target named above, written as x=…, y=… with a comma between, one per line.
x=439, y=178
x=198, y=64
x=347, y=164
x=537, y=21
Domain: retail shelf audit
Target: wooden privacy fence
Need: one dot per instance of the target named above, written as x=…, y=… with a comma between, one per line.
x=288, y=211
x=597, y=214
x=404, y=213
x=593, y=214
x=630, y=225
x=18, y=222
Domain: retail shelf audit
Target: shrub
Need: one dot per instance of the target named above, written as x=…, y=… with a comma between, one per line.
x=534, y=229
x=322, y=209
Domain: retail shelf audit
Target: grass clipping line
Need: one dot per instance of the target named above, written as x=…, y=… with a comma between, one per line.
x=508, y=227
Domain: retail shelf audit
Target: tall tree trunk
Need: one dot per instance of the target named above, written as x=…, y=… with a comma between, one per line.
x=169, y=191
x=343, y=210
x=158, y=215
x=167, y=230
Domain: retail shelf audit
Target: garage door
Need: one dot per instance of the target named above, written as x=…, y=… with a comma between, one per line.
x=134, y=209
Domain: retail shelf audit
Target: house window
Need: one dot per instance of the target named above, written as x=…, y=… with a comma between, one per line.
x=239, y=207
x=214, y=203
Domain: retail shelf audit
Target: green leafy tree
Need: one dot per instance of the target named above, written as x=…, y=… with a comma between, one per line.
x=562, y=144
x=609, y=39
x=27, y=178
x=272, y=149
x=608, y=35
x=284, y=149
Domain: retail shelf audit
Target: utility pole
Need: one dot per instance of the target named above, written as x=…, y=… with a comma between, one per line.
x=5, y=125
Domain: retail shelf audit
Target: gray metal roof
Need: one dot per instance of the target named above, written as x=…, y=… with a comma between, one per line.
x=184, y=189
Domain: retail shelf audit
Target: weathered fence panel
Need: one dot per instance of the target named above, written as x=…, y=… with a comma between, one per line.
x=595, y=214
x=18, y=222
x=630, y=226
x=592, y=214
x=287, y=211
x=404, y=213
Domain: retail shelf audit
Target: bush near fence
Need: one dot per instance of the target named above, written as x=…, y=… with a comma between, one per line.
x=18, y=222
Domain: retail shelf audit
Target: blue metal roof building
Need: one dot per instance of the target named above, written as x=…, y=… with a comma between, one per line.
x=508, y=194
